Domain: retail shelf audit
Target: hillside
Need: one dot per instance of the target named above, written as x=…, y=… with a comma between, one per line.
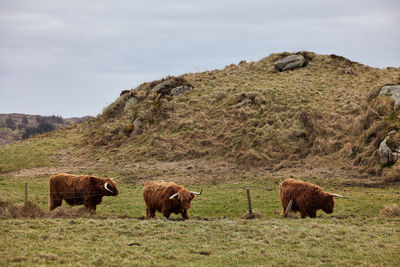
x=327, y=114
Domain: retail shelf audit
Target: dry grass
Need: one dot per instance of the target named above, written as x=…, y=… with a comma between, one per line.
x=9, y=209
x=253, y=215
x=390, y=211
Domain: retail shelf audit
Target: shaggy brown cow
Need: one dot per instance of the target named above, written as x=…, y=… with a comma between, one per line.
x=79, y=189
x=167, y=198
x=305, y=197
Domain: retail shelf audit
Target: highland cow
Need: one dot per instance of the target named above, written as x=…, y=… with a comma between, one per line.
x=167, y=198
x=305, y=197
x=79, y=189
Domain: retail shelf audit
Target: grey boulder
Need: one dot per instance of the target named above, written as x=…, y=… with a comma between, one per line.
x=392, y=91
x=290, y=62
x=387, y=155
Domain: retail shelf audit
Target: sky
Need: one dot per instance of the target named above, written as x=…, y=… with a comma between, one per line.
x=73, y=57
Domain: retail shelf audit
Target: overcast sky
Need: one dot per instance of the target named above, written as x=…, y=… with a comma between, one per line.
x=73, y=57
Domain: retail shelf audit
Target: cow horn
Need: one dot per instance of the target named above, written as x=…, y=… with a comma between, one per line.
x=106, y=187
x=337, y=195
x=174, y=195
x=288, y=208
x=197, y=193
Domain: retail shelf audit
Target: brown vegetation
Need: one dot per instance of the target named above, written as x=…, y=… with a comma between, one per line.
x=253, y=215
x=390, y=211
x=9, y=209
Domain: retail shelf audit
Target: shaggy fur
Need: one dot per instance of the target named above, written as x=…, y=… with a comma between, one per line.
x=307, y=198
x=156, y=195
x=79, y=189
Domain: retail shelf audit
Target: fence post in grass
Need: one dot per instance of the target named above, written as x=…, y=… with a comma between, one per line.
x=249, y=200
x=26, y=194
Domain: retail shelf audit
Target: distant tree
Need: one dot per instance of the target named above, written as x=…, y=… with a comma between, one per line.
x=10, y=123
x=24, y=120
x=42, y=128
x=49, y=119
x=39, y=119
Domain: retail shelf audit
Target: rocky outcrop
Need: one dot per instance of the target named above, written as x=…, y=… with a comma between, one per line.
x=290, y=62
x=181, y=89
x=386, y=154
x=348, y=71
x=137, y=127
x=130, y=103
x=124, y=92
x=243, y=103
x=392, y=91
x=172, y=86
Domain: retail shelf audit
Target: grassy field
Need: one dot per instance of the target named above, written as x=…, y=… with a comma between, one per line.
x=117, y=235
x=40, y=151
x=217, y=242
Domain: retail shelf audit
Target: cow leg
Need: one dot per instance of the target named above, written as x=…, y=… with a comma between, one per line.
x=90, y=206
x=185, y=215
x=166, y=213
x=151, y=213
x=303, y=214
x=54, y=202
x=313, y=214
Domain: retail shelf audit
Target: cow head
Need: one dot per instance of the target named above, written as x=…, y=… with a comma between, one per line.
x=184, y=197
x=109, y=187
x=328, y=204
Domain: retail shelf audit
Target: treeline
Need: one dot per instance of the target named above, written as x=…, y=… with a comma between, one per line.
x=42, y=128
x=49, y=119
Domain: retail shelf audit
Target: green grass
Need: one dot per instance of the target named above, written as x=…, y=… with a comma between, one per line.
x=5, y=130
x=39, y=151
x=218, y=242
x=353, y=235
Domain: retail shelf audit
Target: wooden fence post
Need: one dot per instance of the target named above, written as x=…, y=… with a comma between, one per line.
x=26, y=194
x=249, y=200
